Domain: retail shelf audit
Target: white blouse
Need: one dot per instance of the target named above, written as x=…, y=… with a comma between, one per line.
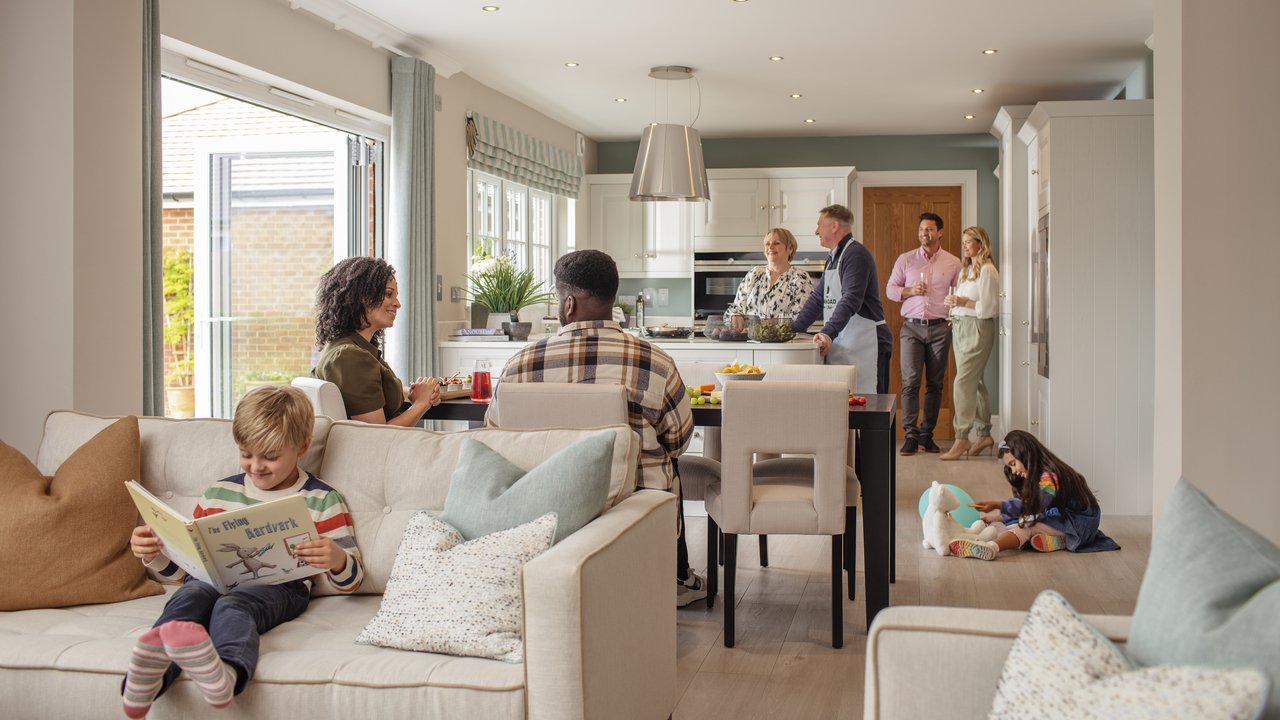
x=785, y=297
x=985, y=290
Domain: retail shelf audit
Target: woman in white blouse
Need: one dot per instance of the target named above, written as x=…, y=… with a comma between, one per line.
x=974, y=307
x=775, y=289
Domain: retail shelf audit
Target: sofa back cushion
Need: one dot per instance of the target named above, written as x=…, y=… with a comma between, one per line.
x=388, y=473
x=179, y=458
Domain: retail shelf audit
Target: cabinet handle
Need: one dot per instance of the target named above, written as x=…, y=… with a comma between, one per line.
x=1024, y=362
x=1002, y=295
x=697, y=434
x=637, y=257
x=649, y=256
x=1026, y=322
x=1035, y=172
x=1003, y=332
x=1035, y=422
x=764, y=207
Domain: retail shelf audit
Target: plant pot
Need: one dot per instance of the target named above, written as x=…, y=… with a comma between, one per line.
x=479, y=315
x=519, y=331
x=181, y=401
x=497, y=321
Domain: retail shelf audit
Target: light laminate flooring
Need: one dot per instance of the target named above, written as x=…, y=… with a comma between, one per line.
x=783, y=665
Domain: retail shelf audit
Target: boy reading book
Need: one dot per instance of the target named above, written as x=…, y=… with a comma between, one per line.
x=214, y=637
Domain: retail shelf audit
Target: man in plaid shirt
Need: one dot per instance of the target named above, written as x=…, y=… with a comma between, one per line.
x=592, y=348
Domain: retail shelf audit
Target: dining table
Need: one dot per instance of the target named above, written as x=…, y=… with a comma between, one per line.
x=877, y=458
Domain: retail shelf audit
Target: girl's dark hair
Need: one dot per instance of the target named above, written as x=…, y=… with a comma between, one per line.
x=346, y=294
x=1073, y=492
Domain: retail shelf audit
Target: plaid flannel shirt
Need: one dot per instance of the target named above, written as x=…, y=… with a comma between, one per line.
x=600, y=352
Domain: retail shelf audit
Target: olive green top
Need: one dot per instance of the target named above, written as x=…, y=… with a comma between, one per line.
x=362, y=376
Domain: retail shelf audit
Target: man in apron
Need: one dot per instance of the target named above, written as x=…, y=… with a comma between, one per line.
x=848, y=296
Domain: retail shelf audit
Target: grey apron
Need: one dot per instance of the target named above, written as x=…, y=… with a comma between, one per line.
x=857, y=344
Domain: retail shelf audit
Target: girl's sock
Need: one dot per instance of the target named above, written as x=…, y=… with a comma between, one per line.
x=146, y=674
x=188, y=644
x=973, y=549
x=1048, y=543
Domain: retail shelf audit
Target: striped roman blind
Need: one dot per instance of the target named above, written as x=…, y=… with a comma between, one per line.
x=516, y=156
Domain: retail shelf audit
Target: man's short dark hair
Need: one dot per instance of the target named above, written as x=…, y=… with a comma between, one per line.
x=591, y=272
x=937, y=221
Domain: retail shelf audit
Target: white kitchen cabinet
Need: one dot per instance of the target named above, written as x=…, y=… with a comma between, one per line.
x=745, y=204
x=738, y=207
x=1014, y=340
x=646, y=239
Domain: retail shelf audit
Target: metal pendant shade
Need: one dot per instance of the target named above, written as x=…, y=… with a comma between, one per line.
x=669, y=166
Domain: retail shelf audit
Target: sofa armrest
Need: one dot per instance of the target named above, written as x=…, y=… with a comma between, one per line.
x=934, y=662
x=600, y=617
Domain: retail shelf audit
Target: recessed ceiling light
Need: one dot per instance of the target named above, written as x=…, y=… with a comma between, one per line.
x=490, y=8
x=739, y=0
x=796, y=95
x=571, y=64
x=619, y=99
x=978, y=90
x=988, y=52
x=810, y=120
x=968, y=117
x=775, y=58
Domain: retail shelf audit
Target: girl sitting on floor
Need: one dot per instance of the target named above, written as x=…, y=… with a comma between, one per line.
x=1055, y=511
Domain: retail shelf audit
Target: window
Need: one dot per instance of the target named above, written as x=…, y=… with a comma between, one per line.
x=507, y=217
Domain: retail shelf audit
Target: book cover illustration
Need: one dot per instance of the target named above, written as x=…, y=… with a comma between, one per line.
x=253, y=545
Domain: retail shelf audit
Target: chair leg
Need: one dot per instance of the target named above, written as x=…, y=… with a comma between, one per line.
x=720, y=542
x=837, y=602
x=730, y=565
x=764, y=551
x=851, y=545
x=713, y=570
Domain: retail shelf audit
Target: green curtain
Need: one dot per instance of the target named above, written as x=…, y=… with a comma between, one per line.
x=511, y=154
x=153, y=220
x=412, y=346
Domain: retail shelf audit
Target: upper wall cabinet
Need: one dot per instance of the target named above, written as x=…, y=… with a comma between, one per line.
x=746, y=204
x=739, y=206
x=645, y=239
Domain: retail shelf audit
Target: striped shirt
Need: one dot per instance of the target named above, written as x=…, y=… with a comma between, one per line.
x=328, y=511
x=599, y=351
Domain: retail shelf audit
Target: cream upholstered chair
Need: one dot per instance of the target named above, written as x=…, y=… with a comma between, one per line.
x=536, y=405
x=792, y=469
x=696, y=473
x=324, y=395
x=809, y=418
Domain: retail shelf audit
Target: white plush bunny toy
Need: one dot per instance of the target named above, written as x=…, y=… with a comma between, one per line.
x=940, y=528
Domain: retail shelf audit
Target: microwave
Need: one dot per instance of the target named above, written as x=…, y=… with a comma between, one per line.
x=717, y=275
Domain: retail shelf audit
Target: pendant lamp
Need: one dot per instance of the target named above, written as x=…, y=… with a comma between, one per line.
x=669, y=166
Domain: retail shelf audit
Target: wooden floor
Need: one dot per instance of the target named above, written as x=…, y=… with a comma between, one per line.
x=783, y=665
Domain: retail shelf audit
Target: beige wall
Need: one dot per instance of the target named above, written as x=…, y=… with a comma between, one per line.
x=1230, y=342
x=70, y=212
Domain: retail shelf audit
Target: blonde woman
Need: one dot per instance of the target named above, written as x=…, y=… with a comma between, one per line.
x=777, y=288
x=974, y=307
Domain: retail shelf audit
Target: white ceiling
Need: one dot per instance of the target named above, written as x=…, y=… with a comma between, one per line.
x=864, y=67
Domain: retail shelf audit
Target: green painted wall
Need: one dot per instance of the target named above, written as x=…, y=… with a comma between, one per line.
x=977, y=151
x=1141, y=84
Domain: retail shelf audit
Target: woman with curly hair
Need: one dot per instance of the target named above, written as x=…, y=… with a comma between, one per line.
x=355, y=302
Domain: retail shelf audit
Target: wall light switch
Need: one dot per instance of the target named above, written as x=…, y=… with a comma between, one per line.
x=439, y=288
x=664, y=297
x=649, y=294
x=455, y=294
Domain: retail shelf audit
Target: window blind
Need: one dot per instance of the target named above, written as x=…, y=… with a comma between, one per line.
x=511, y=154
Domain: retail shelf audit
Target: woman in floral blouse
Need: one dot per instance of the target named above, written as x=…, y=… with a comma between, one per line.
x=774, y=289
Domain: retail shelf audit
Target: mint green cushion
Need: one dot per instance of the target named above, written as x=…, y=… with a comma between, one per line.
x=488, y=493
x=1211, y=595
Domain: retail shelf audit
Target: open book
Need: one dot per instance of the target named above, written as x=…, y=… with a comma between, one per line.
x=253, y=545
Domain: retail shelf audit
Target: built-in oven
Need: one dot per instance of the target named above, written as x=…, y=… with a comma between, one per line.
x=717, y=275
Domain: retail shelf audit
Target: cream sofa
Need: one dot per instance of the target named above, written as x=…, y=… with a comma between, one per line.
x=942, y=662
x=600, y=622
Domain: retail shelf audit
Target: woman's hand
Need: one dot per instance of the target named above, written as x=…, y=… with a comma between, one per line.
x=425, y=391
x=953, y=301
x=144, y=544
x=986, y=506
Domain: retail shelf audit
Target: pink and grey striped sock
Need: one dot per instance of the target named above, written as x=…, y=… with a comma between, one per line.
x=146, y=673
x=188, y=644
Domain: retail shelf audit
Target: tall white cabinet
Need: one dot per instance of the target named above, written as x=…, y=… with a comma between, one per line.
x=1015, y=279
x=1089, y=229
x=646, y=239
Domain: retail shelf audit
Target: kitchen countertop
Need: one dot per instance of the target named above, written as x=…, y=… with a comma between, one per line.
x=799, y=344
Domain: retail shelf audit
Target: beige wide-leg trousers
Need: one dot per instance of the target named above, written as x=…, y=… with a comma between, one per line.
x=971, y=341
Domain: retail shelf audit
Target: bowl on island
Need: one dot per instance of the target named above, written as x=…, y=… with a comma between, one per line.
x=726, y=377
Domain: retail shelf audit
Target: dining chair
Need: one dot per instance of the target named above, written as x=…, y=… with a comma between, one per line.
x=792, y=469
x=536, y=405
x=697, y=472
x=324, y=396
x=808, y=418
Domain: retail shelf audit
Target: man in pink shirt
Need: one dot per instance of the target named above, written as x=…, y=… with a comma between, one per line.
x=920, y=280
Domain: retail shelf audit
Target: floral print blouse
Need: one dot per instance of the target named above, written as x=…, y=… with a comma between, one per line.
x=785, y=297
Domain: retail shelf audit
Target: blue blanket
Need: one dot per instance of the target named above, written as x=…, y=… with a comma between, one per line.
x=1081, y=528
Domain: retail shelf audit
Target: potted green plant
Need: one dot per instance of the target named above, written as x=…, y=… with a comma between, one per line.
x=626, y=312
x=179, y=334
x=497, y=285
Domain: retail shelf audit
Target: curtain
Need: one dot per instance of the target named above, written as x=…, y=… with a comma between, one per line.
x=511, y=154
x=412, y=346
x=152, y=217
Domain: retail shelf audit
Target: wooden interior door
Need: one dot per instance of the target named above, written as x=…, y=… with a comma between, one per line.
x=891, y=219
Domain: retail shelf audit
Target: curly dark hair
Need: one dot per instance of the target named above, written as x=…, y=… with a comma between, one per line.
x=590, y=271
x=346, y=294
x=1073, y=491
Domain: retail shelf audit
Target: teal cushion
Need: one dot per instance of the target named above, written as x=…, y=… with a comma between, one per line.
x=1211, y=595
x=488, y=493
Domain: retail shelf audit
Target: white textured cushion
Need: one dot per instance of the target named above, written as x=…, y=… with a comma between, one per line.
x=1061, y=667
x=455, y=597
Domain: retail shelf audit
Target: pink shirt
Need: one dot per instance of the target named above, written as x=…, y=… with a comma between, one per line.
x=941, y=272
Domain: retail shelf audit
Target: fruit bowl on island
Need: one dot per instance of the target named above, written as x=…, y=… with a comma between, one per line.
x=739, y=372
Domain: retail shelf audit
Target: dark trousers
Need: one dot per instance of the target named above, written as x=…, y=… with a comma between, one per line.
x=234, y=620
x=924, y=348
x=682, y=548
x=882, y=376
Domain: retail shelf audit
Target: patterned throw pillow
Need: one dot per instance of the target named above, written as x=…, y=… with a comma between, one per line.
x=1061, y=667
x=458, y=598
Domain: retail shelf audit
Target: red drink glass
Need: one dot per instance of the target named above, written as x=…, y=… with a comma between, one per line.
x=481, y=386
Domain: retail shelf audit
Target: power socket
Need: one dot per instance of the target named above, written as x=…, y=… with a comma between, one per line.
x=455, y=294
x=649, y=294
x=664, y=297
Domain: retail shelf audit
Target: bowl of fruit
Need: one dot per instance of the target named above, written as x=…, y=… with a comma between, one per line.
x=771, y=330
x=739, y=372
x=728, y=328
